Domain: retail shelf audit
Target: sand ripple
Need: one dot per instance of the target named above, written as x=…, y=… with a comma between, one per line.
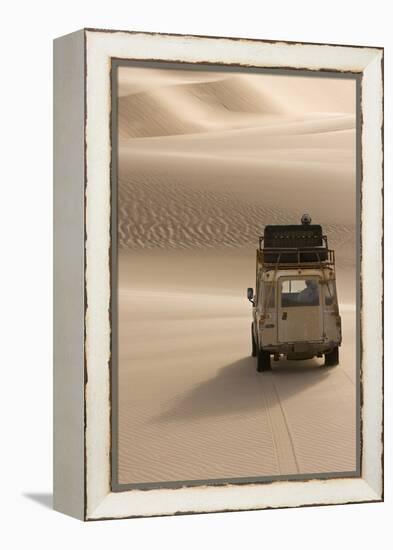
x=170, y=215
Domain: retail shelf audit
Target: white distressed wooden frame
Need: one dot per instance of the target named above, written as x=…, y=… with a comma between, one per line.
x=82, y=472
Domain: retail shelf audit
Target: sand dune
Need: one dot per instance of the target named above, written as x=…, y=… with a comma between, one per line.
x=192, y=108
x=302, y=94
x=206, y=159
x=207, y=106
x=145, y=115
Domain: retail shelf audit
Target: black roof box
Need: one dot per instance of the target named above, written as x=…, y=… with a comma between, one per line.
x=292, y=236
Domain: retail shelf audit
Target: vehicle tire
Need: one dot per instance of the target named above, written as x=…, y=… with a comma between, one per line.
x=332, y=358
x=253, y=343
x=263, y=361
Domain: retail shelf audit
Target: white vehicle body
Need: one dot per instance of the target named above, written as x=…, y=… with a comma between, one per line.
x=298, y=330
x=295, y=305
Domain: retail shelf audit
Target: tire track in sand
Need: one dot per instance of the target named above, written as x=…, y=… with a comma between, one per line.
x=285, y=451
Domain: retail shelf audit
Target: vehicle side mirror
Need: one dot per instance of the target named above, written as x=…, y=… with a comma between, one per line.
x=250, y=295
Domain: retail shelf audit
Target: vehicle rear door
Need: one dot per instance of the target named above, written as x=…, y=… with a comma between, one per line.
x=299, y=309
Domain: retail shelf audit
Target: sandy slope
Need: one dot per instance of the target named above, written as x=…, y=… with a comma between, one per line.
x=205, y=160
x=191, y=403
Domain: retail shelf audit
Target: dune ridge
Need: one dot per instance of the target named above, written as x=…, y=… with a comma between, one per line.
x=193, y=108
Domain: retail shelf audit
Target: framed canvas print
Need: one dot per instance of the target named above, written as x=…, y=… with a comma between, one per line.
x=218, y=274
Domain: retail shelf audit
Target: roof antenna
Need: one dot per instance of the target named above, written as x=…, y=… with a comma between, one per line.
x=306, y=219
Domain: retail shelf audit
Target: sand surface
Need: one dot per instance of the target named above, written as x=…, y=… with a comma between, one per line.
x=205, y=161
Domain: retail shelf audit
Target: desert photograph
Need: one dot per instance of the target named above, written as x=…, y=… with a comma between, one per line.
x=206, y=158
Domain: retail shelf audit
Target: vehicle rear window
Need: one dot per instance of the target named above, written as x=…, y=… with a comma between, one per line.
x=299, y=292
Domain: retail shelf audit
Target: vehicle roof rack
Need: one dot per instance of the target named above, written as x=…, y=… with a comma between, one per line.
x=296, y=257
x=294, y=246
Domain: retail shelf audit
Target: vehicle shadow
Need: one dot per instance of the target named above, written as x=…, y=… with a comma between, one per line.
x=238, y=388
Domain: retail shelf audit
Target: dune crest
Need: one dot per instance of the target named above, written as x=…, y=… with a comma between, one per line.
x=194, y=107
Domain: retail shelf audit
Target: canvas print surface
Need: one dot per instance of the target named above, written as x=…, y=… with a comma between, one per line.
x=214, y=382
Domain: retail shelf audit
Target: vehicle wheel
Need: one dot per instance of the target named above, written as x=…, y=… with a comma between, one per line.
x=253, y=344
x=332, y=358
x=263, y=361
